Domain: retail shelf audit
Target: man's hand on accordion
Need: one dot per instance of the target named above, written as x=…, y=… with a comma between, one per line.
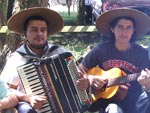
x=37, y=101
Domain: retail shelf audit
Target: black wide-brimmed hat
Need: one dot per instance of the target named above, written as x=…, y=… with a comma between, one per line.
x=55, y=21
x=142, y=20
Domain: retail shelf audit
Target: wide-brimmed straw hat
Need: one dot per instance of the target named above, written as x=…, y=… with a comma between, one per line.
x=55, y=21
x=142, y=20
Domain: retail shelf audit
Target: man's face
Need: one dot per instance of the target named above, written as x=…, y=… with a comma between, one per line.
x=36, y=33
x=123, y=31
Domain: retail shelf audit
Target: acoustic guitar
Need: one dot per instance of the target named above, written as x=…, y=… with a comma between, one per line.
x=115, y=77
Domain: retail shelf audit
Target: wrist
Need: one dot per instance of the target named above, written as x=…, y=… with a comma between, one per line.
x=90, y=78
x=22, y=97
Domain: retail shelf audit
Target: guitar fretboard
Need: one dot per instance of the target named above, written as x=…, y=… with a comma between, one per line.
x=122, y=79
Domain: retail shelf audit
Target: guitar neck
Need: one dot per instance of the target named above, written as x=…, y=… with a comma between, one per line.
x=122, y=79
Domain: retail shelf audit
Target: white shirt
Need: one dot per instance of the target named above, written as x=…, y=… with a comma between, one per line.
x=10, y=73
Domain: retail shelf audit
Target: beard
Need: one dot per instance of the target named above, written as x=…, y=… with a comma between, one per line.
x=37, y=46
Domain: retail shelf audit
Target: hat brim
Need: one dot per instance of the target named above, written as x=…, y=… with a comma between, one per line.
x=142, y=20
x=55, y=21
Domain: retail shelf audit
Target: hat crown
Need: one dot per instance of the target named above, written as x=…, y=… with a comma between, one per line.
x=142, y=20
x=55, y=21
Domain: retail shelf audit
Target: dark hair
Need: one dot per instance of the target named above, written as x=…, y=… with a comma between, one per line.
x=36, y=17
x=115, y=21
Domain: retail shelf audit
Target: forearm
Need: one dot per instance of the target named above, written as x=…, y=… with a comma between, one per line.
x=8, y=102
x=22, y=97
x=35, y=101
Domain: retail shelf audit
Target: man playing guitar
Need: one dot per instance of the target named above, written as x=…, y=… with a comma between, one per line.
x=120, y=55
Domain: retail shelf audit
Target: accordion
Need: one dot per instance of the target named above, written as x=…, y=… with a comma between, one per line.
x=55, y=77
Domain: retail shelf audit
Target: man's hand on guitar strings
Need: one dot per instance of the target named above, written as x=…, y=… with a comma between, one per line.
x=97, y=82
x=83, y=83
x=144, y=79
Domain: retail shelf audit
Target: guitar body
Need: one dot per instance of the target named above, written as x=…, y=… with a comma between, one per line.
x=99, y=97
x=110, y=91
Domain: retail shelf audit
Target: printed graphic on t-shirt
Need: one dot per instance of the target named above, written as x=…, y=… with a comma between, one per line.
x=121, y=64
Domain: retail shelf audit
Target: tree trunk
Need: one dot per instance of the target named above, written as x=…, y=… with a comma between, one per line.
x=80, y=17
x=3, y=20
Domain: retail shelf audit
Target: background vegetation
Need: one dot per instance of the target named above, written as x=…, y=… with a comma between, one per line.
x=78, y=42
x=74, y=42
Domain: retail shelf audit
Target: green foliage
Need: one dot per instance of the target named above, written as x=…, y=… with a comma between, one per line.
x=76, y=42
x=144, y=40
